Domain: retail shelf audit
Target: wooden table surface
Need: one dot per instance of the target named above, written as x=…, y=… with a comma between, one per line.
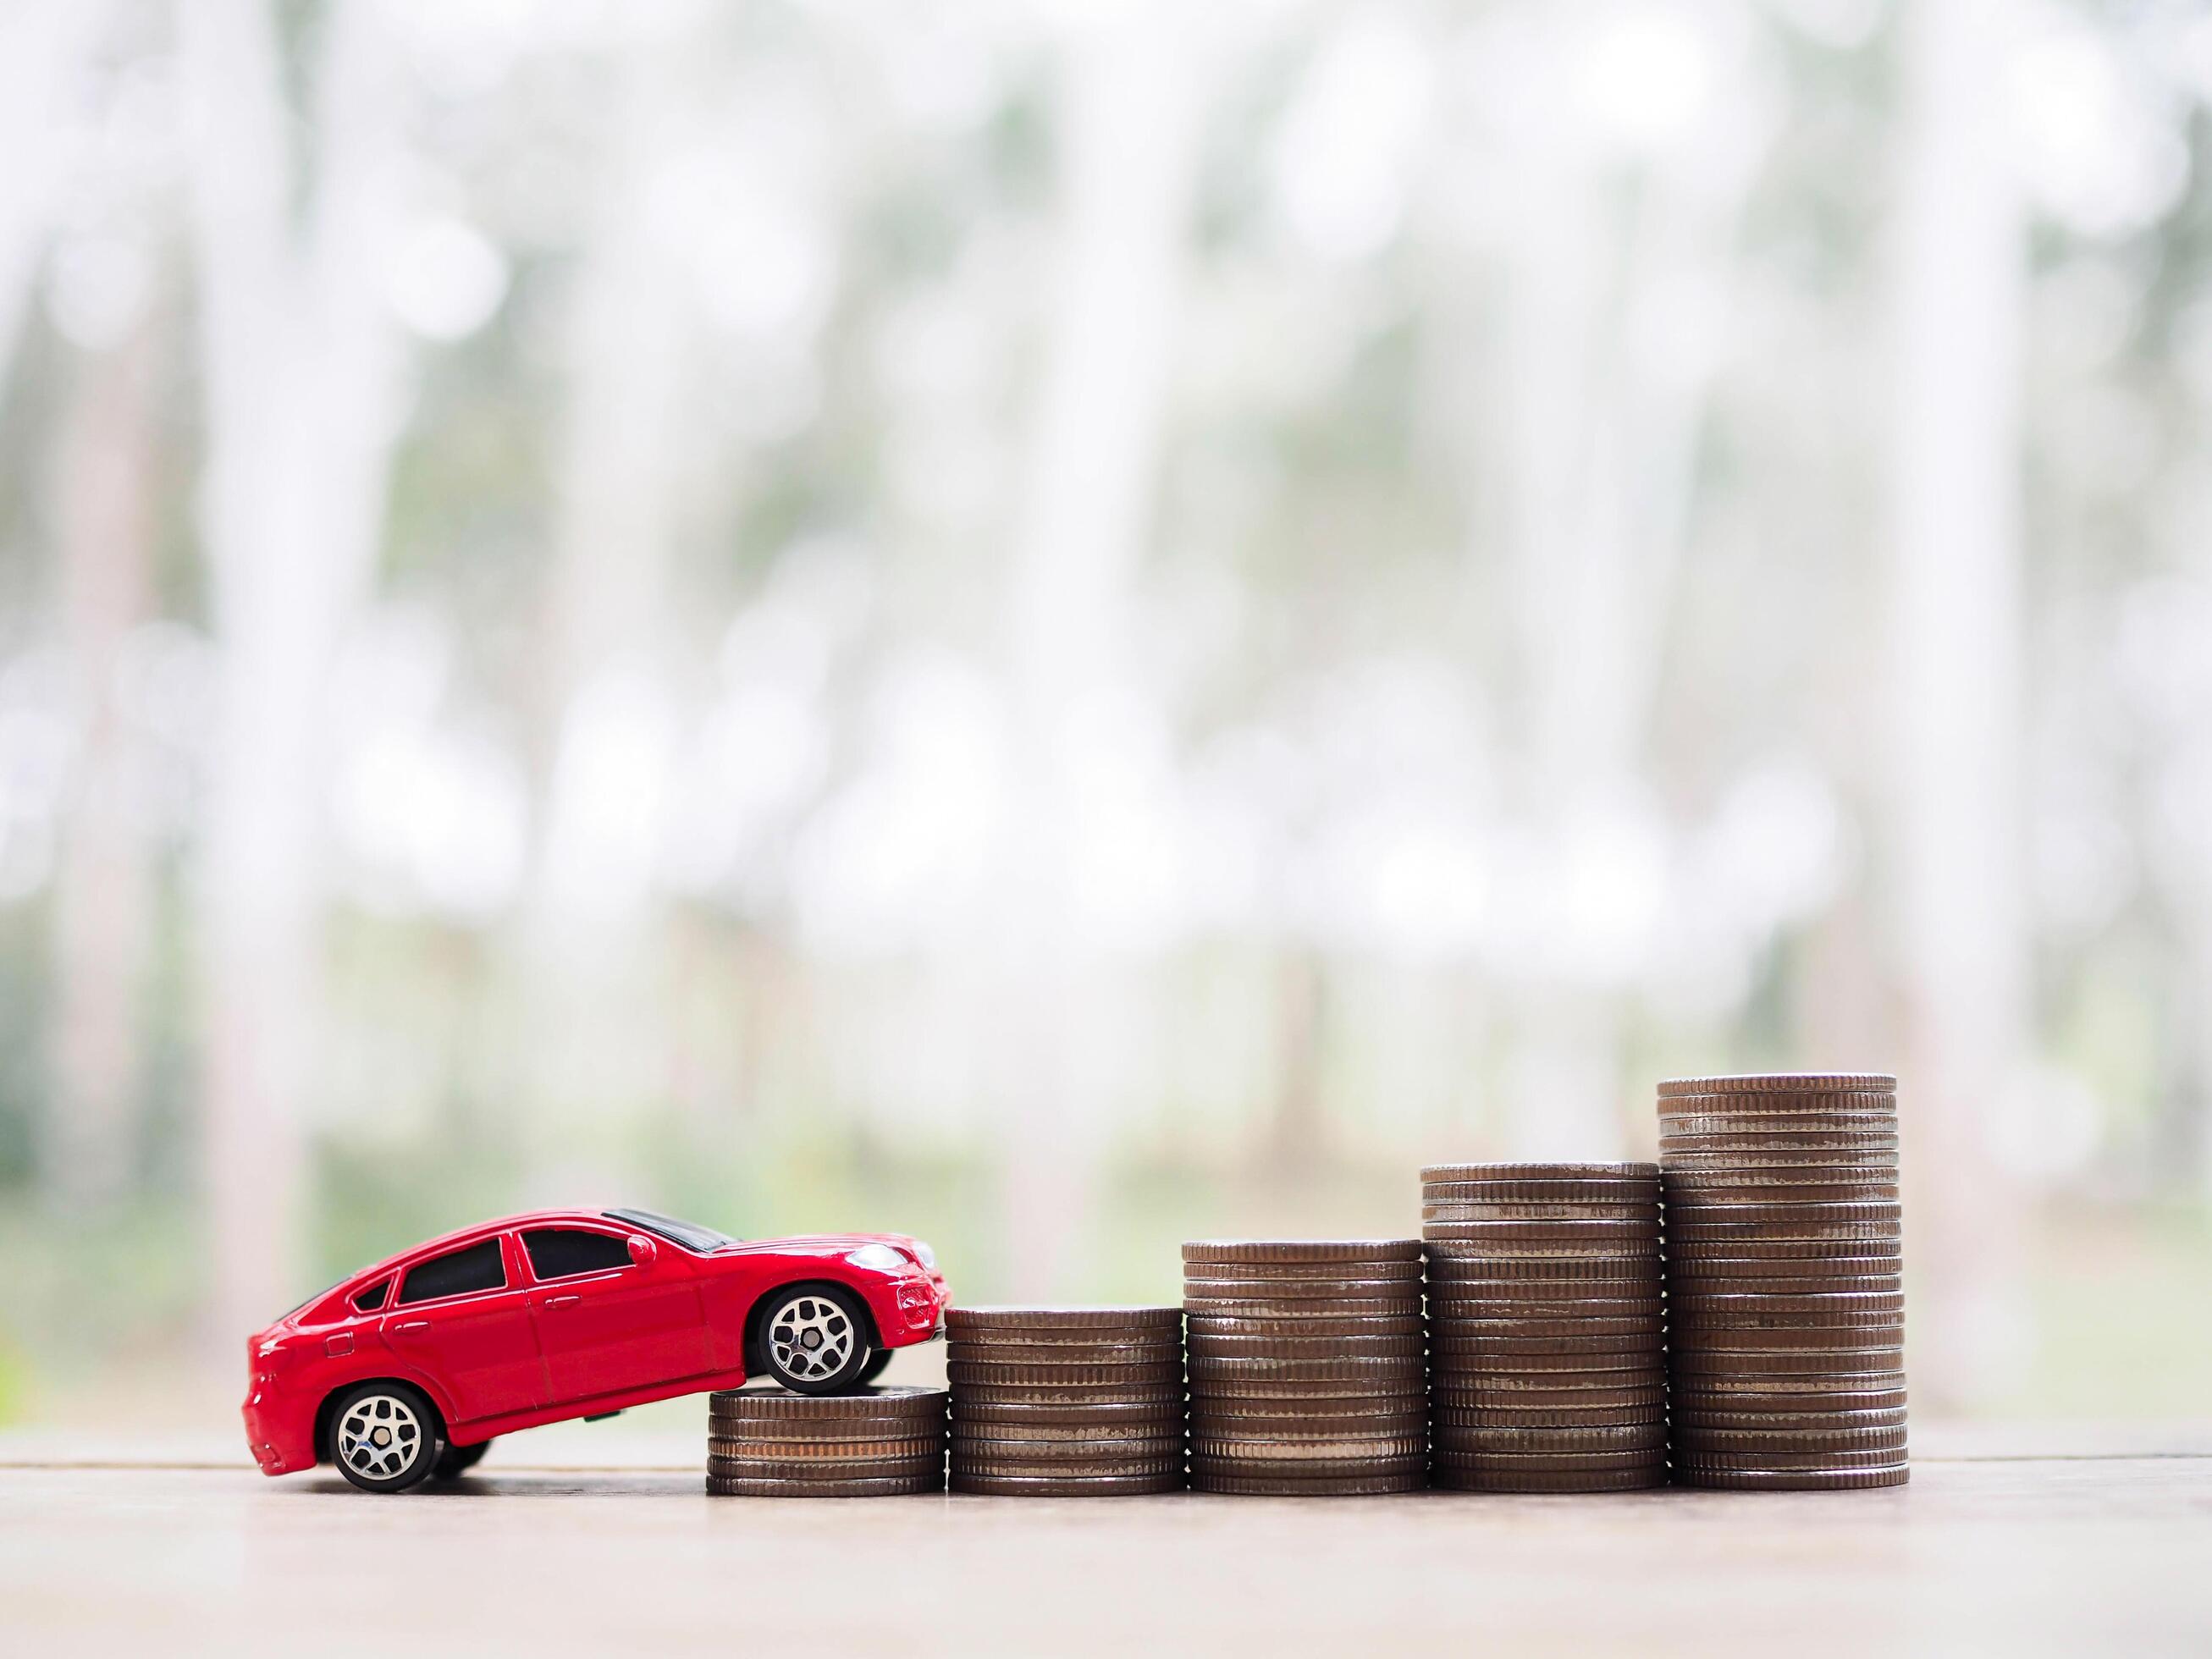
x=2005, y=1542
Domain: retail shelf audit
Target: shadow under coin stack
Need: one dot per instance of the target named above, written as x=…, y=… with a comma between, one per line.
x=1548, y=1368
x=1065, y=1402
x=878, y=1444
x=1783, y=1252
x=1306, y=1369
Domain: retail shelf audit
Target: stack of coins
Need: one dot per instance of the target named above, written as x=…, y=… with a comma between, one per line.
x=1306, y=1368
x=878, y=1444
x=1547, y=1335
x=1065, y=1402
x=1783, y=1251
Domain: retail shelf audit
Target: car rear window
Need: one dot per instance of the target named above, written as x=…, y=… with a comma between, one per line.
x=457, y=1273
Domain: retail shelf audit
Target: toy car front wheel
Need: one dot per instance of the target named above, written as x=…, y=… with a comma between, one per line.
x=878, y=1362
x=814, y=1340
x=386, y=1436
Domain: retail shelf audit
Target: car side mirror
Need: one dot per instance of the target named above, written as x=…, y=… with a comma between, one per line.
x=642, y=1250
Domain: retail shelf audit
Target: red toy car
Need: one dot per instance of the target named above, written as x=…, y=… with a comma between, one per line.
x=408, y=1368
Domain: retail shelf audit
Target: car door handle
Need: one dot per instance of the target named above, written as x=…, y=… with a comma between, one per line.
x=405, y=1326
x=560, y=1301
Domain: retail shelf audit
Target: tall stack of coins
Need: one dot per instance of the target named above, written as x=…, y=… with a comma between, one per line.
x=1306, y=1367
x=1065, y=1402
x=877, y=1443
x=1546, y=1331
x=1783, y=1251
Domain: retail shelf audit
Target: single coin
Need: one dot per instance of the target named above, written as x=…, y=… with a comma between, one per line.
x=964, y=1321
x=1867, y=1134
x=1710, y=1215
x=963, y=1373
x=1260, y=1369
x=1681, y=1200
x=1757, y=1126
x=1686, y=1457
x=1263, y=1308
x=1456, y=1343
x=1864, y=1331
x=1527, y=1362
x=1446, y=1419
x=1786, y=1362
x=1640, y=1191
x=967, y=1410
x=1326, y=1272
x=1534, y=1482
x=1463, y=1331
x=881, y=1468
x=1525, y=1401
x=1617, y=1386
x=1314, y=1468
x=1624, y=1210
x=1208, y=1348
x=1851, y=1480
x=826, y=1451
x=1635, y=1437
x=1222, y=1450
x=1740, y=1165
x=724, y=1486
x=1795, y=1103
x=775, y=1406
x=1455, y=1309
x=1449, y=1263
x=972, y=1395
x=1791, y=1422
x=971, y=1444
x=1697, y=1438
x=826, y=1432
x=1303, y=1249
x=1407, y=1423
x=1066, y=1486
x=1048, y=1356
x=1847, y=1269
x=1215, y=1324
x=1162, y=1427
x=1723, y=1390
x=1365, y=1485
x=1133, y=1467
x=1549, y=1462
x=1691, y=1299
x=1430, y=1172
x=1299, y=1289
x=1612, y=1251
x=1684, y=1233
x=1618, y=1233
x=1780, y=1083
x=1788, y=1249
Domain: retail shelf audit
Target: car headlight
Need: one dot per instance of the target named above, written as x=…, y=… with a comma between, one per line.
x=881, y=1257
x=928, y=1256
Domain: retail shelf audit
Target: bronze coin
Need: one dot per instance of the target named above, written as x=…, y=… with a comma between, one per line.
x=1358, y=1485
x=1207, y=1348
x=1432, y=1172
x=1690, y=1439
x=1646, y=1209
x=1550, y=1462
x=983, y=1373
x=1637, y=1310
x=723, y=1487
x=1787, y=1362
x=1787, y=1249
x=1520, y=1402
x=1066, y=1486
x=1693, y=1235
x=1445, y=1418
x=1790, y=1421
x=1863, y=1331
x=1512, y=1388
x=1221, y=1451
x=1758, y=1126
x=882, y=1468
x=1449, y=1263
x=1326, y=1272
x=1314, y=1468
x=1073, y=1434
x=1618, y=1234
x=1692, y=1458
x=1134, y=1467
x=1632, y=1437
x=1606, y=1193
x=1453, y=1345
x=1303, y=1249
x=1213, y=1325
x=1260, y=1369
x=1080, y=1416
x=1526, y=1362
x=1047, y=1356
x=1457, y=1332
x=1090, y=1394
x=1222, y=1288
x=1720, y=1391
x=826, y=1451
x=1691, y=1299
x=763, y=1405
x=1681, y=1200
x=1845, y=1270
x=1850, y=1480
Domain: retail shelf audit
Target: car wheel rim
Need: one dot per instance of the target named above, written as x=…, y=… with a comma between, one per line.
x=380, y=1436
x=810, y=1337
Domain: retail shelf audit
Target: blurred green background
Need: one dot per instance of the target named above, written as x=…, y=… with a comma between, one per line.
x=1069, y=627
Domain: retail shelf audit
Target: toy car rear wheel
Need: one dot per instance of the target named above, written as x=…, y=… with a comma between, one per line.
x=814, y=1339
x=386, y=1436
x=455, y=1461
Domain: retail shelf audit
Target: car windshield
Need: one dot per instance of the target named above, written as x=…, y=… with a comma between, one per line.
x=689, y=1234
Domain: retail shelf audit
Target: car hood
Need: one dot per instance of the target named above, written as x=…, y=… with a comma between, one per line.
x=819, y=1244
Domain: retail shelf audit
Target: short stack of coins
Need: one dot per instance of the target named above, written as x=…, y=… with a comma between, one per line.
x=1065, y=1402
x=1784, y=1296
x=1307, y=1374
x=880, y=1443
x=1546, y=1327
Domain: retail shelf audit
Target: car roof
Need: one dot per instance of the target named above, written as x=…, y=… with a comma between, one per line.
x=469, y=1235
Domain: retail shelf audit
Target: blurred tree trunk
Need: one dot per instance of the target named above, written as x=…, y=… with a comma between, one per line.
x=595, y=945
x=300, y=364
x=1956, y=610
x=44, y=47
x=104, y=891
x=1129, y=160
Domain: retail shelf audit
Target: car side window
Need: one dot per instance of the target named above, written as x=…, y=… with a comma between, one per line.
x=473, y=1267
x=561, y=1252
x=370, y=1300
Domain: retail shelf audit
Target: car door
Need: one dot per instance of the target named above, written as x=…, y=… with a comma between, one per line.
x=608, y=1323
x=462, y=1317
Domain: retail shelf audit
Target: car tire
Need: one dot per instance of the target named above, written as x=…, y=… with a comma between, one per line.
x=814, y=1339
x=455, y=1461
x=386, y=1436
x=878, y=1362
